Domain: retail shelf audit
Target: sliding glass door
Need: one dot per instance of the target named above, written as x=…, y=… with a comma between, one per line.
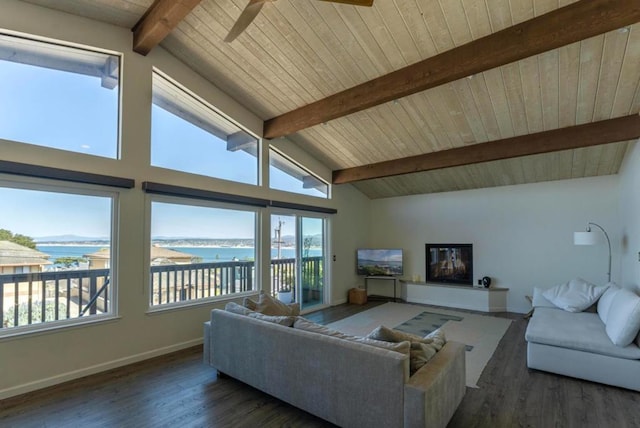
x=283, y=257
x=312, y=266
x=298, y=259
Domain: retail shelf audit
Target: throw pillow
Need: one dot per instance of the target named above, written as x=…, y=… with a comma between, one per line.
x=623, y=319
x=249, y=304
x=575, y=295
x=306, y=325
x=422, y=348
x=421, y=353
x=286, y=321
x=604, y=303
x=269, y=306
x=237, y=309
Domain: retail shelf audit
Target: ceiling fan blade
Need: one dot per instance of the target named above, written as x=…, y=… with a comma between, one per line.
x=353, y=2
x=246, y=17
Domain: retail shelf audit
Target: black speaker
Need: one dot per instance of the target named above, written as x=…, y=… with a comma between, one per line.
x=486, y=282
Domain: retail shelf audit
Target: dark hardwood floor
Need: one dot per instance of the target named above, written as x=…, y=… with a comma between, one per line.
x=178, y=390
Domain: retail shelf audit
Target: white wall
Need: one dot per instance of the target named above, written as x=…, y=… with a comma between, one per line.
x=630, y=217
x=347, y=236
x=522, y=235
x=38, y=360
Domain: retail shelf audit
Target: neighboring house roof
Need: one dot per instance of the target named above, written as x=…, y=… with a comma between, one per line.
x=156, y=253
x=12, y=254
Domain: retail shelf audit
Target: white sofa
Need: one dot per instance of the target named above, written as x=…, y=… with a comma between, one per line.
x=576, y=344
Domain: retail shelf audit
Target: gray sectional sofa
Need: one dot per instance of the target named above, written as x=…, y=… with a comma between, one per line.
x=576, y=344
x=347, y=383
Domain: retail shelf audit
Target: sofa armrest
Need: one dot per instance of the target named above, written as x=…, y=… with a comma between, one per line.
x=206, y=343
x=434, y=392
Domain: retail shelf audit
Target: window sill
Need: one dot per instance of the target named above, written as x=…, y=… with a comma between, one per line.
x=53, y=327
x=180, y=306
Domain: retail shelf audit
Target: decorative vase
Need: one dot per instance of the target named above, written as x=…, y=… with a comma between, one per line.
x=285, y=296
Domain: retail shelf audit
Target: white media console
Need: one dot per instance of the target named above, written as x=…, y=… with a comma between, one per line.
x=457, y=296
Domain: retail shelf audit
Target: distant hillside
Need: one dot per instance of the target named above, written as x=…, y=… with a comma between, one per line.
x=166, y=241
x=69, y=238
x=201, y=242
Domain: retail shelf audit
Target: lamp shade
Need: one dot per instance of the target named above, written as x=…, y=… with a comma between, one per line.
x=585, y=238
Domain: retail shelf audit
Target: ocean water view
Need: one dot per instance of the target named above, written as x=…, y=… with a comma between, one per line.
x=207, y=254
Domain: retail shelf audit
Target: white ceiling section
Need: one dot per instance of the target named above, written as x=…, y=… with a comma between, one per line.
x=297, y=52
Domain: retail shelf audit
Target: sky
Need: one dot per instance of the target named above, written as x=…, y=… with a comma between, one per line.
x=37, y=213
x=179, y=145
x=42, y=106
x=200, y=222
x=74, y=112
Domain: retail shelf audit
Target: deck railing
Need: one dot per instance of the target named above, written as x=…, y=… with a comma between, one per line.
x=30, y=298
x=177, y=283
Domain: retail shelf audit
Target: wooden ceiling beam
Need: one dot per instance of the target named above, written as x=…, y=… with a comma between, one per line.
x=569, y=24
x=158, y=21
x=574, y=137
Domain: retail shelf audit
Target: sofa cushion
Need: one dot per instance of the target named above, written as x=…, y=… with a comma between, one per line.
x=575, y=295
x=422, y=348
x=580, y=331
x=306, y=325
x=284, y=320
x=623, y=319
x=604, y=303
x=269, y=306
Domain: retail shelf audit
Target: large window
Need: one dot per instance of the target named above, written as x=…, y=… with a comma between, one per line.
x=190, y=136
x=56, y=266
x=58, y=96
x=200, y=251
x=285, y=174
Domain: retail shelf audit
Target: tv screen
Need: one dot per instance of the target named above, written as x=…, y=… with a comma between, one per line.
x=379, y=262
x=450, y=263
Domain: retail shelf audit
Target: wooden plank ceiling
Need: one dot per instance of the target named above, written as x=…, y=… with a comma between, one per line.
x=297, y=52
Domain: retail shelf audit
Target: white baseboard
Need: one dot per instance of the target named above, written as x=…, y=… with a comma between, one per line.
x=76, y=374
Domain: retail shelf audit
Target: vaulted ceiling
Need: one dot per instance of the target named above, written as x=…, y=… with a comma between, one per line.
x=417, y=96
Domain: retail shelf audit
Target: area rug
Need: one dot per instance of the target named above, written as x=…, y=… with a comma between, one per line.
x=480, y=333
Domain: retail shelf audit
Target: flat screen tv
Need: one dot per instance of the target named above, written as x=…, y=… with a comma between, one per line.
x=450, y=263
x=379, y=261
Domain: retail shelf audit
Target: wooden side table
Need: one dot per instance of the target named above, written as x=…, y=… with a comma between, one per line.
x=358, y=296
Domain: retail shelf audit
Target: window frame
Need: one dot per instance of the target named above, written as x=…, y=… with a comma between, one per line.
x=42, y=185
x=190, y=201
x=208, y=109
x=52, y=42
x=296, y=164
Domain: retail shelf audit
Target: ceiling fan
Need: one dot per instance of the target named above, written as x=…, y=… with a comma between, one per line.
x=253, y=8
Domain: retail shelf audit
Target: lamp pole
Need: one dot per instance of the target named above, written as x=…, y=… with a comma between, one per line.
x=608, y=243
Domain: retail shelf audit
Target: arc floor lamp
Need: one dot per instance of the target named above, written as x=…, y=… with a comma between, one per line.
x=590, y=238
